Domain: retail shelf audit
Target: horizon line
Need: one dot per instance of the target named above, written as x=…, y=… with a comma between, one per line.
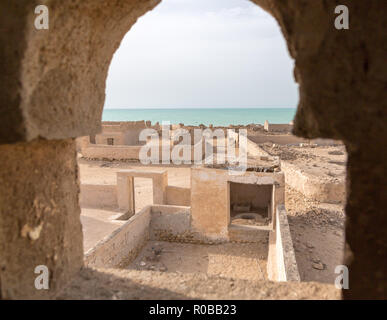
x=185, y=108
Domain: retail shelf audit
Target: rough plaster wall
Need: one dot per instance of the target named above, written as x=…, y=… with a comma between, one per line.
x=39, y=216
x=342, y=78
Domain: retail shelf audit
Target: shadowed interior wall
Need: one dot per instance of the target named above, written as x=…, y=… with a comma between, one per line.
x=259, y=196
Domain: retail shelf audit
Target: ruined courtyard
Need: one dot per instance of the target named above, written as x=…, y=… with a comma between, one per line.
x=92, y=220
x=149, y=231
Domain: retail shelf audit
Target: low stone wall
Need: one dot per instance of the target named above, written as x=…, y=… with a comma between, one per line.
x=277, y=127
x=157, y=222
x=289, y=139
x=171, y=223
x=98, y=196
x=314, y=187
x=281, y=263
x=277, y=139
x=126, y=152
x=178, y=196
x=123, y=245
x=210, y=200
x=111, y=152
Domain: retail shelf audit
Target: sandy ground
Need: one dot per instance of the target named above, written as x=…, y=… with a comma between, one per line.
x=317, y=231
x=228, y=260
x=124, y=284
x=97, y=224
x=326, y=162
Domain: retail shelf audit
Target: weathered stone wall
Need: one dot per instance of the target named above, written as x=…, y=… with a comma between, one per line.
x=39, y=216
x=53, y=85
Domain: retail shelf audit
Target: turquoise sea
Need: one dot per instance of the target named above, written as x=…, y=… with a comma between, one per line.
x=206, y=116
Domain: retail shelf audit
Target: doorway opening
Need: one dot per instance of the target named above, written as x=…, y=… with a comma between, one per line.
x=250, y=204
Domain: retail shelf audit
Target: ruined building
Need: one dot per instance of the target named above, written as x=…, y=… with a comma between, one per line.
x=52, y=85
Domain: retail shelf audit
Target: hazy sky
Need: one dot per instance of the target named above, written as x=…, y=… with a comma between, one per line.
x=202, y=53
